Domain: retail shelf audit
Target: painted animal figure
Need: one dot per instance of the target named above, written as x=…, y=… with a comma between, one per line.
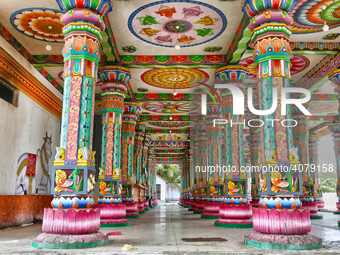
x=40, y=181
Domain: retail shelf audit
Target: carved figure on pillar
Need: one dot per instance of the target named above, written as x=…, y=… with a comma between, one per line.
x=72, y=222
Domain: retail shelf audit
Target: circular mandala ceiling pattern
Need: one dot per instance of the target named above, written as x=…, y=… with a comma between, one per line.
x=168, y=107
x=166, y=23
x=309, y=15
x=174, y=78
x=35, y=22
x=298, y=64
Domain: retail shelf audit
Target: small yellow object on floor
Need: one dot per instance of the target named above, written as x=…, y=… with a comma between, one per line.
x=128, y=247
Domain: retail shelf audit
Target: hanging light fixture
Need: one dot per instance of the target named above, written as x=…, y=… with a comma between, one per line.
x=48, y=46
x=170, y=118
x=325, y=27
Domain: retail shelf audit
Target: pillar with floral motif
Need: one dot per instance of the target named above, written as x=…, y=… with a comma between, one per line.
x=128, y=134
x=313, y=146
x=235, y=211
x=194, y=163
x=254, y=146
x=301, y=139
x=72, y=222
x=215, y=177
x=334, y=77
x=279, y=223
x=112, y=210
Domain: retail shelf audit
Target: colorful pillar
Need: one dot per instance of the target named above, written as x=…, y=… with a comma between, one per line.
x=279, y=223
x=301, y=137
x=313, y=146
x=215, y=177
x=144, y=174
x=72, y=222
x=335, y=128
x=254, y=147
x=235, y=211
x=112, y=210
x=128, y=134
x=195, y=172
x=137, y=164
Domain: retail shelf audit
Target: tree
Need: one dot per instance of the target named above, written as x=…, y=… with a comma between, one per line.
x=328, y=185
x=170, y=173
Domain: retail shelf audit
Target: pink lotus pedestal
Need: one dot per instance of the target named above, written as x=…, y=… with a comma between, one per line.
x=131, y=210
x=255, y=203
x=211, y=210
x=193, y=206
x=282, y=230
x=321, y=204
x=113, y=215
x=70, y=229
x=146, y=205
x=235, y=216
x=338, y=207
x=200, y=207
x=141, y=207
x=312, y=206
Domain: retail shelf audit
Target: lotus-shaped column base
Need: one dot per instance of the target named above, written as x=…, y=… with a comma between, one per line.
x=131, y=210
x=70, y=229
x=146, y=205
x=193, y=206
x=211, y=210
x=113, y=215
x=235, y=216
x=200, y=207
x=282, y=242
x=312, y=206
x=337, y=206
x=141, y=207
x=255, y=203
x=321, y=204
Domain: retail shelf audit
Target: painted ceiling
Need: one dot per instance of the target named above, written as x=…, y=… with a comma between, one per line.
x=143, y=34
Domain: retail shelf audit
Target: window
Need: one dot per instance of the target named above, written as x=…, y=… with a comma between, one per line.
x=8, y=93
x=158, y=188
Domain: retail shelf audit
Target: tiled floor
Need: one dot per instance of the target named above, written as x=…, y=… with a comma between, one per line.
x=162, y=230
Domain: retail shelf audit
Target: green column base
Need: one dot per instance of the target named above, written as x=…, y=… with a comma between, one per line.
x=133, y=217
x=225, y=225
x=142, y=212
x=187, y=206
x=337, y=212
x=65, y=246
x=191, y=209
x=339, y=223
x=210, y=217
x=282, y=247
x=113, y=225
x=198, y=212
x=319, y=217
x=146, y=209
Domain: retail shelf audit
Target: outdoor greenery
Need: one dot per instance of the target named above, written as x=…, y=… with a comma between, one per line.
x=170, y=173
x=328, y=184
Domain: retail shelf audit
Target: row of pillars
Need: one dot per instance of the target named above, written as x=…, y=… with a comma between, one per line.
x=277, y=204
x=127, y=174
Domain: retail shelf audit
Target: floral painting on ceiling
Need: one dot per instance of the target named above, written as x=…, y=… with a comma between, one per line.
x=167, y=23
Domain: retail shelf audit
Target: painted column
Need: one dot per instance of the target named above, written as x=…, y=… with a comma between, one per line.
x=137, y=164
x=112, y=210
x=254, y=147
x=195, y=162
x=335, y=128
x=203, y=155
x=301, y=137
x=72, y=222
x=149, y=171
x=313, y=147
x=146, y=143
x=215, y=177
x=235, y=211
x=279, y=223
x=128, y=134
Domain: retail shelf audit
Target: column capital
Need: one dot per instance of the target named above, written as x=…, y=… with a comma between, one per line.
x=231, y=74
x=252, y=8
x=131, y=110
x=114, y=74
x=102, y=7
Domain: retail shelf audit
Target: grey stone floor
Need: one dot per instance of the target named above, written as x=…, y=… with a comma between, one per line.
x=161, y=231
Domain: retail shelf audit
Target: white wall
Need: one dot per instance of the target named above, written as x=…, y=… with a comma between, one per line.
x=163, y=187
x=22, y=130
x=172, y=192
